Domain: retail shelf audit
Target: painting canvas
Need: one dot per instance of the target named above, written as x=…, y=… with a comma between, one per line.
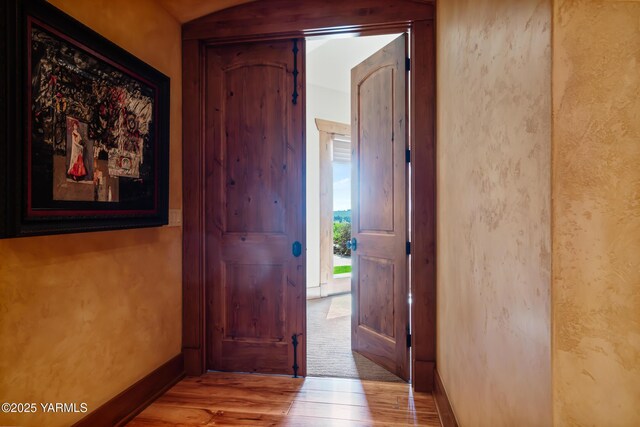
x=95, y=140
x=97, y=120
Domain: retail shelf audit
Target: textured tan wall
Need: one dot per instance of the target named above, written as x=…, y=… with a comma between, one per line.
x=494, y=262
x=187, y=10
x=596, y=213
x=84, y=316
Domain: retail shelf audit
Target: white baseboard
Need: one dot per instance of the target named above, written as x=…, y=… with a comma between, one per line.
x=314, y=292
x=338, y=285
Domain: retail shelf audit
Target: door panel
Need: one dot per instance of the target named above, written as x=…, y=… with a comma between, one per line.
x=252, y=313
x=376, y=156
x=376, y=301
x=256, y=148
x=379, y=140
x=254, y=209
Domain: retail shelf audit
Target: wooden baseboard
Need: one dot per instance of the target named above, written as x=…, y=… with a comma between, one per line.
x=122, y=408
x=445, y=411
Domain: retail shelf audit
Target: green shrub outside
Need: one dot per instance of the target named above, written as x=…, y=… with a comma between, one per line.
x=341, y=235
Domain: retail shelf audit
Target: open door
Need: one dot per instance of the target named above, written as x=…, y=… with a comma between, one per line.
x=379, y=281
x=254, y=218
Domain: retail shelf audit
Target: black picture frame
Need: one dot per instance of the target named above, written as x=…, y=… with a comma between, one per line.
x=43, y=188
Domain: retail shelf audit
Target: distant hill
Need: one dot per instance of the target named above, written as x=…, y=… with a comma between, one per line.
x=342, y=216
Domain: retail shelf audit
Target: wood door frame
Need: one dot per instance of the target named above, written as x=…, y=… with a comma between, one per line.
x=327, y=131
x=281, y=19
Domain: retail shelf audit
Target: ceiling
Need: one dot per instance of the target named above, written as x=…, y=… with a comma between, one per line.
x=187, y=10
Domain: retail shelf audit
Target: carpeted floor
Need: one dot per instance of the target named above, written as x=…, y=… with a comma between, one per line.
x=329, y=343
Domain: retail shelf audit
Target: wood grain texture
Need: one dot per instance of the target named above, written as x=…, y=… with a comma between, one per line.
x=193, y=214
x=132, y=401
x=445, y=411
x=236, y=399
x=423, y=201
x=376, y=302
x=375, y=148
x=254, y=120
x=287, y=18
x=379, y=220
x=424, y=372
x=283, y=19
x=334, y=128
x=254, y=159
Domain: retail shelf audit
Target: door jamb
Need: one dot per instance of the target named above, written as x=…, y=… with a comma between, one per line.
x=419, y=24
x=327, y=131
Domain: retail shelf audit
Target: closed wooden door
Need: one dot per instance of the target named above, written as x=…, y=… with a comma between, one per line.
x=254, y=208
x=379, y=225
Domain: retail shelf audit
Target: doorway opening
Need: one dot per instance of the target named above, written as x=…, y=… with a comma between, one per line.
x=245, y=260
x=330, y=199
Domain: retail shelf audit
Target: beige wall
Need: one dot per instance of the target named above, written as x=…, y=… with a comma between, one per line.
x=494, y=262
x=187, y=10
x=84, y=316
x=596, y=213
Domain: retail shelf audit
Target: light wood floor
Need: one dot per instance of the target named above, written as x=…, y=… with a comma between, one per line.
x=256, y=400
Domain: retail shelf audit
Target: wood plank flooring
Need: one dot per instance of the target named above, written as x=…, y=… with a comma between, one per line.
x=223, y=399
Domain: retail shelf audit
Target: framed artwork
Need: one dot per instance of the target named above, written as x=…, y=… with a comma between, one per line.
x=88, y=144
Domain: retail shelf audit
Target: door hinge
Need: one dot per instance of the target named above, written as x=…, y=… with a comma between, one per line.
x=294, y=96
x=407, y=64
x=408, y=338
x=294, y=341
x=408, y=155
x=408, y=248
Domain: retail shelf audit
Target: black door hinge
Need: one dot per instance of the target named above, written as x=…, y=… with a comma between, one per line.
x=408, y=338
x=407, y=64
x=294, y=96
x=294, y=341
x=408, y=248
x=408, y=155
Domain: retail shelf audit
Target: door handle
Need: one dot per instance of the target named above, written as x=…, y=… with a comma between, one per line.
x=296, y=249
x=352, y=244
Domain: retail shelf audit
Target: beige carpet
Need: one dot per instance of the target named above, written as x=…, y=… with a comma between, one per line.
x=340, y=306
x=329, y=343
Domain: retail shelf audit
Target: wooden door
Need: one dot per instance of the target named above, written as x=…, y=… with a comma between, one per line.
x=254, y=150
x=379, y=222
